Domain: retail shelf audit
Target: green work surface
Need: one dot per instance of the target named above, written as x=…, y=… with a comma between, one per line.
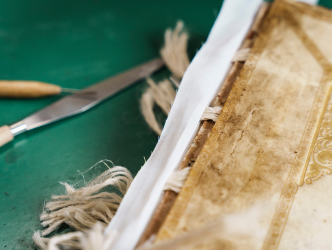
x=75, y=43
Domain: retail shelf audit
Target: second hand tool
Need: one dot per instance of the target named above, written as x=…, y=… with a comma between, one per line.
x=78, y=103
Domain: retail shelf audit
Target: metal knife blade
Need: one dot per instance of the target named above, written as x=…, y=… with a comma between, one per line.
x=78, y=102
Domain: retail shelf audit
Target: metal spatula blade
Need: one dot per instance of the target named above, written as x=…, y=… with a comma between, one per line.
x=79, y=102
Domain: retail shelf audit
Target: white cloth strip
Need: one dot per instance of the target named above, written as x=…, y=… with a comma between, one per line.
x=199, y=86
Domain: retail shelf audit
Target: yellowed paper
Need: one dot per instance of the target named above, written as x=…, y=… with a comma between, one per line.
x=268, y=159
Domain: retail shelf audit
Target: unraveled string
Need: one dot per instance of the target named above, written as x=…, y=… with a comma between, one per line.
x=84, y=208
x=174, y=54
x=163, y=93
x=147, y=103
x=93, y=239
x=81, y=208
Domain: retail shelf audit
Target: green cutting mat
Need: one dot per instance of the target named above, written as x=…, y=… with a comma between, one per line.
x=75, y=43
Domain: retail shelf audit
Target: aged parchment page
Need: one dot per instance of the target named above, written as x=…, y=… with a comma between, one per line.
x=265, y=168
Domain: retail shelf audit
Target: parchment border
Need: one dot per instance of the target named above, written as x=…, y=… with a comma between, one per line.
x=280, y=217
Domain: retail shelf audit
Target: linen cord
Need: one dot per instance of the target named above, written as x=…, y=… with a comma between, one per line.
x=174, y=54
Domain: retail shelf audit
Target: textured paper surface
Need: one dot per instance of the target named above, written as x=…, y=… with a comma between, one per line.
x=271, y=149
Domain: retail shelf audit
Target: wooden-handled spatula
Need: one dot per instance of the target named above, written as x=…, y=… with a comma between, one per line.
x=80, y=101
x=30, y=89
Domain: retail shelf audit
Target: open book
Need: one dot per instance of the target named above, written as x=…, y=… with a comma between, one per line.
x=264, y=170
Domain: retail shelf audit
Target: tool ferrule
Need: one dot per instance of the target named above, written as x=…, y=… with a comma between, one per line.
x=18, y=128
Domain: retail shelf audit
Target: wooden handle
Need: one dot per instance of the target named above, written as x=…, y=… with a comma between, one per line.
x=5, y=135
x=27, y=89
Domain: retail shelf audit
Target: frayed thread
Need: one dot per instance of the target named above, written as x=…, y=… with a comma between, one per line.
x=147, y=103
x=174, y=54
x=94, y=239
x=163, y=94
x=82, y=208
